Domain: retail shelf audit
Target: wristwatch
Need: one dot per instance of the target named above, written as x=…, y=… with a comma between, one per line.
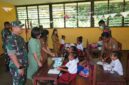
x=21, y=67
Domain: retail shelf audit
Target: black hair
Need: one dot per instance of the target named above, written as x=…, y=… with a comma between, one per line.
x=63, y=36
x=101, y=22
x=74, y=48
x=44, y=33
x=35, y=32
x=6, y=23
x=105, y=34
x=117, y=54
x=80, y=38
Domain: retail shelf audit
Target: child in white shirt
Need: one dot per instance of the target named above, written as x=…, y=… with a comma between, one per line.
x=69, y=70
x=116, y=65
x=62, y=40
x=79, y=43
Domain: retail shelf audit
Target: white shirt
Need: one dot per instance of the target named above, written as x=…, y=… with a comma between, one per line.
x=62, y=41
x=80, y=46
x=72, y=66
x=117, y=66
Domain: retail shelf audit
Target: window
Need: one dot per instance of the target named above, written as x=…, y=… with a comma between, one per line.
x=44, y=16
x=75, y=14
x=58, y=15
x=84, y=14
x=71, y=15
x=100, y=11
x=115, y=6
x=21, y=14
x=33, y=16
x=126, y=19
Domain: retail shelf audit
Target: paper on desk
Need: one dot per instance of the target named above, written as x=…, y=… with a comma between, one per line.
x=53, y=71
x=100, y=63
x=57, y=64
x=57, y=58
x=107, y=67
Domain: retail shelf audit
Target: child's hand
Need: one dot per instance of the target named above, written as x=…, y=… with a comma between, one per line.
x=103, y=60
x=53, y=55
x=59, y=68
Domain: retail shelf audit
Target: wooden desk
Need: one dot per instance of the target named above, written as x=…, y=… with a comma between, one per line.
x=42, y=75
x=106, y=78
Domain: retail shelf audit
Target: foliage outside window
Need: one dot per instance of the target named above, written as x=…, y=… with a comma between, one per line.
x=71, y=15
x=58, y=15
x=100, y=11
x=84, y=14
x=126, y=19
x=22, y=15
x=44, y=16
x=115, y=6
x=33, y=16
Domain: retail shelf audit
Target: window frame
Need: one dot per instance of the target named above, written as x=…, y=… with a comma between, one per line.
x=91, y=9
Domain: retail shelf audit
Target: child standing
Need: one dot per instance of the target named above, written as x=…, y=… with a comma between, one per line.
x=79, y=43
x=116, y=65
x=69, y=70
x=62, y=42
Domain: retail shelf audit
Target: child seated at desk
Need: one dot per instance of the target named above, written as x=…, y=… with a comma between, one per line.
x=69, y=70
x=116, y=65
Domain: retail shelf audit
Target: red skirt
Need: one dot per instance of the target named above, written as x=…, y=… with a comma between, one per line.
x=66, y=78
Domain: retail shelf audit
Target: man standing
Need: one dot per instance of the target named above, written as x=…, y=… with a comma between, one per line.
x=18, y=54
x=5, y=33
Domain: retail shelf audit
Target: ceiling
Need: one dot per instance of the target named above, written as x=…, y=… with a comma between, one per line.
x=28, y=2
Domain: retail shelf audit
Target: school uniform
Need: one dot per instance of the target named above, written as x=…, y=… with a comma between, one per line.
x=62, y=41
x=80, y=49
x=72, y=66
x=71, y=74
x=80, y=46
x=117, y=66
x=62, y=46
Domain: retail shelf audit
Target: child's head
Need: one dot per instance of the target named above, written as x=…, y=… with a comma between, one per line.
x=72, y=49
x=79, y=39
x=115, y=55
x=72, y=55
x=63, y=37
x=101, y=23
x=105, y=36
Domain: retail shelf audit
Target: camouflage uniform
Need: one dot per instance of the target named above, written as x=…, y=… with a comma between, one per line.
x=5, y=33
x=16, y=45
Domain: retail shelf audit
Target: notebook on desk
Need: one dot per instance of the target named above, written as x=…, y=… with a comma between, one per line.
x=53, y=71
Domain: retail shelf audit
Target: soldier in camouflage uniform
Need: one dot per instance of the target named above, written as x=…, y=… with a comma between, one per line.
x=5, y=33
x=18, y=54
